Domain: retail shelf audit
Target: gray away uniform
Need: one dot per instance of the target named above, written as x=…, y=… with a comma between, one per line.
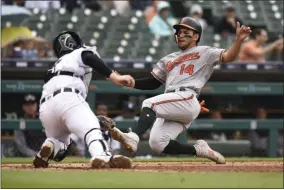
x=175, y=109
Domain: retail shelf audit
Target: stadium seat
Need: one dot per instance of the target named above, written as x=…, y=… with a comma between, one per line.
x=108, y=30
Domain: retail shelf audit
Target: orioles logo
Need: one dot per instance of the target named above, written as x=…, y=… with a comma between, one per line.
x=190, y=56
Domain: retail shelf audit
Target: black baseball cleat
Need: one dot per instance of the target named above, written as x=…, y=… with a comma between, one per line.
x=119, y=161
x=43, y=156
x=116, y=161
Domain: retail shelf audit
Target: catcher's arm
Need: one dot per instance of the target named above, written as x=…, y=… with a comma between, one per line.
x=95, y=62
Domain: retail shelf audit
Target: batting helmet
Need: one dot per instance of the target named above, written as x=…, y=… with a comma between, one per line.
x=66, y=42
x=190, y=23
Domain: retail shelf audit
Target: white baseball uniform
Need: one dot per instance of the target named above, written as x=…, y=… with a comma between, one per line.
x=68, y=112
x=184, y=74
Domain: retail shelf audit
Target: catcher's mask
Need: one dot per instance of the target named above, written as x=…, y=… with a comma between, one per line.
x=189, y=23
x=66, y=42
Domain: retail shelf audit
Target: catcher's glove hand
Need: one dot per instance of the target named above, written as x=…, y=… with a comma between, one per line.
x=203, y=109
x=106, y=123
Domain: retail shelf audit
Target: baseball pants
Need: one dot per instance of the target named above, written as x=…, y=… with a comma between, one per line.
x=68, y=113
x=174, y=112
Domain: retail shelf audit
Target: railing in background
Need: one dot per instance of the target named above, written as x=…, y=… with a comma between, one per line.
x=96, y=87
x=136, y=64
x=272, y=125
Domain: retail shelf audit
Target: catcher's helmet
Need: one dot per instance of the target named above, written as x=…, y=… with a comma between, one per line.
x=190, y=23
x=66, y=42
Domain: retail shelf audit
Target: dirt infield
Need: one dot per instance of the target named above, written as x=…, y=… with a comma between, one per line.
x=263, y=166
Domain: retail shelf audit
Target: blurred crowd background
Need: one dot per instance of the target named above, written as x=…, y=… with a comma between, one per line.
x=137, y=30
x=141, y=30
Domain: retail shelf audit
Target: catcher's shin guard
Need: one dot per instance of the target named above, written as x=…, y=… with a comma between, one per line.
x=44, y=155
x=62, y=153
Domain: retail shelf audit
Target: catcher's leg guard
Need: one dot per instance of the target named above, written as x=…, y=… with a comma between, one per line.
x=101, y=156
x=98, y=148
x=62, y=153
x=96, y=143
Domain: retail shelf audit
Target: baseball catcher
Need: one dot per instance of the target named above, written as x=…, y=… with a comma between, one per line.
x=63, y=109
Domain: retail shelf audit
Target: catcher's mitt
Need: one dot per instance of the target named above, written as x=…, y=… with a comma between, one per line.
x=106, y=123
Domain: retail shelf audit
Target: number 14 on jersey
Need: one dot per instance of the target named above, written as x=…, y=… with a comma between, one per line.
x=188, y=69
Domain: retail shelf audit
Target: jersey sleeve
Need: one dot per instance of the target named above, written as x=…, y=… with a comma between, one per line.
x=159, y=71
x=92, y=49
x=87, y=48
x=215, y=55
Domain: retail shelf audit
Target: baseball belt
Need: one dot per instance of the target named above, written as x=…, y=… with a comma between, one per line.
x=58, y=92
x=183, y=89
x=49, y=75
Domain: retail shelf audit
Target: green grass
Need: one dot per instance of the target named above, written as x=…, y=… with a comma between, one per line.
x=167, y=159
x=123, y=179
x=138, y=179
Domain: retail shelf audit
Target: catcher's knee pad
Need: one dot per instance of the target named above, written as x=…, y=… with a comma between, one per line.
x=60, y=150
x=158, y=144
x=95, y=142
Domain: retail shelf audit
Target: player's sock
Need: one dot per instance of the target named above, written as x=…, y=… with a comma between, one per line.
x=175, y=147
x=146, y=120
